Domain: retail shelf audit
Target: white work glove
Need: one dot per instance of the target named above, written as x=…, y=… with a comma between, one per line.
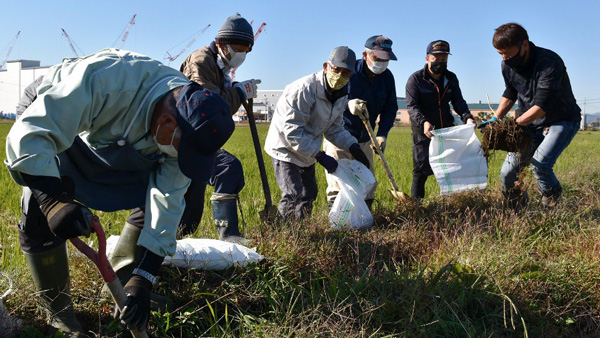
x=382, y=140
x=357, y=107
x=249, y=88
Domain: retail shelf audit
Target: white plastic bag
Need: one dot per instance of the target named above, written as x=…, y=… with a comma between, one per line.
x=204, y=254
x=349, y=210
x=457, y=160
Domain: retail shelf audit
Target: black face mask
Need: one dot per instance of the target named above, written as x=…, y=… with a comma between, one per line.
x=438, y=67
x=517, y=62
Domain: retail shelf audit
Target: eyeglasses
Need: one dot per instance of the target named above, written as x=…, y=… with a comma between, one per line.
x=339, y=70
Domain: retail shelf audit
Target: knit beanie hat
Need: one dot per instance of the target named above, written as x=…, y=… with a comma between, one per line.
x=235, y=31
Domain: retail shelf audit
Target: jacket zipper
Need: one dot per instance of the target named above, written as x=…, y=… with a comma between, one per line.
x=439, y=99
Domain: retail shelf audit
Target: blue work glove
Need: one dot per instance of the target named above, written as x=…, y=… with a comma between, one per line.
x=327, y=161
x=359, y=155
x=485, y=123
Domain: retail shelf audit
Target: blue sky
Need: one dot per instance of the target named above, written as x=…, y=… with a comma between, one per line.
x=300, y=35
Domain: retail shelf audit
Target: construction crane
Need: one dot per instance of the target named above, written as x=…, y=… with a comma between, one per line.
x=10, y=47
x=260, y=29
x=71, y=43
x=196, y=36
x=126, y=31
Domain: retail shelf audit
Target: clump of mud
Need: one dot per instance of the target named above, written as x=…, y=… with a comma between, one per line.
x=505, y=135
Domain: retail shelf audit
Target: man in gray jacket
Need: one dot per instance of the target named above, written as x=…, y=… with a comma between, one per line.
x=310, y=108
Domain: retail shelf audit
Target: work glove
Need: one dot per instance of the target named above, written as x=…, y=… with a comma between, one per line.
x=358, y=155
x=328, y=162
x=136, y=310
x=249, y=88
x=358, y=107
x=484, y=124
x=66, y=218
x=382, y=140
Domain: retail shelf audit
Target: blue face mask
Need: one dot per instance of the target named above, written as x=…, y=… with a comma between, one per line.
x=168, y=149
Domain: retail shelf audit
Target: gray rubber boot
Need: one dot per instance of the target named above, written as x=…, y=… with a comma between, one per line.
x=50, y=272
x=224, y=207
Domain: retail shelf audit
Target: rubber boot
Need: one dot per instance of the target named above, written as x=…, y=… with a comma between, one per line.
x=125, y=257
x=50, y=272
x=224, y=207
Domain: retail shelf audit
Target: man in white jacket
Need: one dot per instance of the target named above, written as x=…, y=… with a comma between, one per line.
x=310, y=108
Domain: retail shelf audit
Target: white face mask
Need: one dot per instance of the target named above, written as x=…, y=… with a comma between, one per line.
x=237, y=58
x=377, y=67
x=168, y=149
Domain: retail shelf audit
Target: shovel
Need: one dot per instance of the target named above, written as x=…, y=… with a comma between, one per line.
x=269, y=213
x=396, y=193
x=108, y=274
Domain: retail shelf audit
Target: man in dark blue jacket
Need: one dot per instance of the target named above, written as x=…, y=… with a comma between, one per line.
x=373, y=84
x=538, y=78
x=428, y=94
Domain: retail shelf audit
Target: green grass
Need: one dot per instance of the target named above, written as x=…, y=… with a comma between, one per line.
x=459, y=266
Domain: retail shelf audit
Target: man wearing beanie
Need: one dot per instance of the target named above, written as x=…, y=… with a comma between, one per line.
x=210, y=67
x=373, y=85
x=310, y=108
x=428, y=94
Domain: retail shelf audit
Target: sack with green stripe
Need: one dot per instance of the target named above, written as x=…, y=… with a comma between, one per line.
x=457, y=160
x=349, y=210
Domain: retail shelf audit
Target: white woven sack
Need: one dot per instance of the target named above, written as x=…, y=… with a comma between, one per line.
x=457, y=160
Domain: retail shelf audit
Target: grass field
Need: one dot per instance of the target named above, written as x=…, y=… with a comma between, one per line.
x=459, y=266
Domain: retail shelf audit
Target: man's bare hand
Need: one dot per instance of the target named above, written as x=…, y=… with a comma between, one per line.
x=427, y=128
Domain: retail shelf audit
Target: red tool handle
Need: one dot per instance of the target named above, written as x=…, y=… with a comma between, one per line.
x=108, y=274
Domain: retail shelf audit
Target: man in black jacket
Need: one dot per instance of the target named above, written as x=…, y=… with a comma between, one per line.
x=538, y=78
x=428, y=94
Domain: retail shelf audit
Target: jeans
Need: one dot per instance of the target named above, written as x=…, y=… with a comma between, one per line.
x=541, y=155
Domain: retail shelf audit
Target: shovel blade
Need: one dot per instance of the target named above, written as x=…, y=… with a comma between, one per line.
x=400, y=197
x=268, y=214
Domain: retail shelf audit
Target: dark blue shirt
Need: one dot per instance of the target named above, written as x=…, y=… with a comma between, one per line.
x=380, y=93
x=544, y=82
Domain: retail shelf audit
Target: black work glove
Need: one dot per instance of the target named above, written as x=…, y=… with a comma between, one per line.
x=358, y=155
x=66, y=218
x=136, y=310
x=327, y=161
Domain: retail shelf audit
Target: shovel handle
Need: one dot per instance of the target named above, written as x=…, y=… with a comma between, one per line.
x=108, y=274
x=378, y=151
x=248, y=105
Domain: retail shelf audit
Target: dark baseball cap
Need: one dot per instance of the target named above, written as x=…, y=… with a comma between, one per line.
x=381, y=46
x=438, y=47
x=206, y=124
x=343, y=57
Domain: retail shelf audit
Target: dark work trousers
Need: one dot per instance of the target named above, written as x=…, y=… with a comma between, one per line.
x=227, y=178
x=298, y=189
x=421, y=167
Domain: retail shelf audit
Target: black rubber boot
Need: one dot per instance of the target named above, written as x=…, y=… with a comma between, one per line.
x=50, y=272
x=550, y=197
x=224, y=207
